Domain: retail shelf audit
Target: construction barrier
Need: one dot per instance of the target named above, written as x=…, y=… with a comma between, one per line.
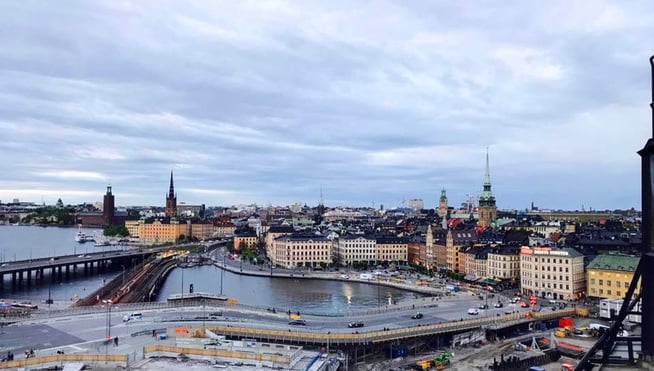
x=61, y=358
x=274, y=357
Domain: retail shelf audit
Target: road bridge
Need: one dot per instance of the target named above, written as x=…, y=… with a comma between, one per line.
x=27, y=271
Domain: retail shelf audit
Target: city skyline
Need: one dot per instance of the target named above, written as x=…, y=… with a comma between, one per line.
x=278, y=102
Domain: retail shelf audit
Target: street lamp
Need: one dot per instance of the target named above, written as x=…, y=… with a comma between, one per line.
x=108, y=303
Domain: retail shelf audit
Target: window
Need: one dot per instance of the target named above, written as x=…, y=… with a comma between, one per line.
x=608, y=283
x=601, y=282
x=592, y=281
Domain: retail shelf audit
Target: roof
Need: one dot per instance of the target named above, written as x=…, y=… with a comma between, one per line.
x=615, y=262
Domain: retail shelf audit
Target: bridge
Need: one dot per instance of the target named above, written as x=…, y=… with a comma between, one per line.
x=31, y=270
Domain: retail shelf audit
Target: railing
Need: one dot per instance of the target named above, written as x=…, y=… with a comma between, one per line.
x=226, y=353
x=60, y=358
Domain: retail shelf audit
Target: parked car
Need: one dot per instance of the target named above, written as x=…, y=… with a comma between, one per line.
x=498, y=304
x=297, y=322
x=483, y=306
x=355, y=324
x=523, y=305
x=417, y=316
x=473, y=311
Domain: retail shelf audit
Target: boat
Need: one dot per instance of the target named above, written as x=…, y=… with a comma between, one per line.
x=80, y=236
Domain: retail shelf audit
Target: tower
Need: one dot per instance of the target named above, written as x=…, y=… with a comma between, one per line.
x=171, y=199
x=108, y=211
x=429, y=251
x=487, y=208
x=442, y=204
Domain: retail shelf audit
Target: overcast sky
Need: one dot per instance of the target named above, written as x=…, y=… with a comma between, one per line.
x=374, y=101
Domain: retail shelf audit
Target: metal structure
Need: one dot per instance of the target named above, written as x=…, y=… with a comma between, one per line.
x=644, y=271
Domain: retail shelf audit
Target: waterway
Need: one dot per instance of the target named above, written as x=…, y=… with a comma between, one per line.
x=309, y=295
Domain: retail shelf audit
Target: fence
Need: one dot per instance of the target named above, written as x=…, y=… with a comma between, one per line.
x=159, y=349
x=61, y=358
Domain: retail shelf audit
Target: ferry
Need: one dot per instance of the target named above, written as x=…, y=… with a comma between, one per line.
x=81, y=237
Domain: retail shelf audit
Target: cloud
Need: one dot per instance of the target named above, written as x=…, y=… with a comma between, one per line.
x=272, y=101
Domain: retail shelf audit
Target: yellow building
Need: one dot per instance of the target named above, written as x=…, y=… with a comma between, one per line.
x=301, y=251
x=157, y=231
x=609, y=276
x=245, y=240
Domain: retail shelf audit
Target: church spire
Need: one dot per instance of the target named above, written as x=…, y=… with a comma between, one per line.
x=171, y=190
x=487, y=176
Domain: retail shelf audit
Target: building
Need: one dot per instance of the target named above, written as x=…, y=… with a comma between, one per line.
x=474, y=259
x=442, y=204
x=453, y=243
x=245, y=239
x=108, y=207
x=356, y=250
x=223, y=228
x=504, y=263
x=391, y=249
x=109, y=216
x=552, y=273
x=416, y=204
x=171, y=199
x=609, y=276
x=487, y=209
x=159, y=231
x=301, y=251
x=275, y=231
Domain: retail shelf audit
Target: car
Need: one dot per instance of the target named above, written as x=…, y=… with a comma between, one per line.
x=417, y=316
x=498, y=304
x=483, y=306
x=4, y=264
x=344, y=276
x=215, y=314
x=355, y=324
x=473, y=311
x=297, y=322
x=523, y=304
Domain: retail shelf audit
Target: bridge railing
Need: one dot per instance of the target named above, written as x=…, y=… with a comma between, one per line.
x=260, y=356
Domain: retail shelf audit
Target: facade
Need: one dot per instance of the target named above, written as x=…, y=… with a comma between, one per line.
x=429, y=250
x=301, y=251
x=391, y=249
x=158, y=231
x=552, y=273
x=442, y=204
x=223, y=228
x=504, y=263
x=133, y=227
x=475, y=262
x=275, y=231
x=361, y=249
x=440, y=256
x=171, y=199
x=609, y=276
x=249, y=240
x=202, y=230
x=453, y=243
x=487, y=208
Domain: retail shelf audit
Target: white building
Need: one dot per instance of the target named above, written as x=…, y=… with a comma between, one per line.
x=553, y=273
x=301, y=251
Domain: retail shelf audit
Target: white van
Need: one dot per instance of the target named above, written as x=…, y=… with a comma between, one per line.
x=132, y=316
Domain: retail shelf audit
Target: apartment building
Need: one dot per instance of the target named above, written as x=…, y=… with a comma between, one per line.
x=504, y=262
x=391, y=249
x=157, y=231
x=553, y=273
x=609, y=276
x=453, y=243
x=352, y=248
x=293, y=251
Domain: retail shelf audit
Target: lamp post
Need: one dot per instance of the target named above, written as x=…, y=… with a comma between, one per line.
x=108, y=303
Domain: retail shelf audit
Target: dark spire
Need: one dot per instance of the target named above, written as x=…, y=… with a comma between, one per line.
x=171, y=190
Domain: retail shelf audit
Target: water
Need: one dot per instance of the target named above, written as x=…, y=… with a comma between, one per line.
x=311, y=295
x=26, y=242
x=320, y=296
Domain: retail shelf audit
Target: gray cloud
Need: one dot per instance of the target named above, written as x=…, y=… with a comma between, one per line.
x=270, y=101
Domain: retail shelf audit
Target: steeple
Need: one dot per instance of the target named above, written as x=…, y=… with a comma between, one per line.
x=443, y=195
x=486, y=198
x=171, y=190
x=171, y=199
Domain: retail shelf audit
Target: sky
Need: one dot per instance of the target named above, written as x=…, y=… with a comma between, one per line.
x=372, y=102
